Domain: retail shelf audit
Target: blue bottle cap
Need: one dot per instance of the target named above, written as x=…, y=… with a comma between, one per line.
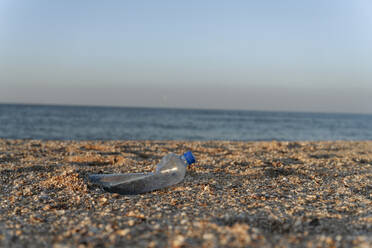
x=189, y=157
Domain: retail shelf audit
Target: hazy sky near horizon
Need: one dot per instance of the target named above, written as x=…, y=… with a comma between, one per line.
x=263, y=55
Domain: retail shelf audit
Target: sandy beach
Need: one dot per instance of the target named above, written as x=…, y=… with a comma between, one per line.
x=237, y=194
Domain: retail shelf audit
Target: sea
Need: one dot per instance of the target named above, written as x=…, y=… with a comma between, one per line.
x=55, y=122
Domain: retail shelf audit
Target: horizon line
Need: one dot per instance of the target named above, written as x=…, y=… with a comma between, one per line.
x=181, y=108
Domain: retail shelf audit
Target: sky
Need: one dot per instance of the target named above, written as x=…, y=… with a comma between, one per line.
x=255, y=55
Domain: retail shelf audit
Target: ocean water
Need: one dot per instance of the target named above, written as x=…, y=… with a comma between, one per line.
x=123, y=123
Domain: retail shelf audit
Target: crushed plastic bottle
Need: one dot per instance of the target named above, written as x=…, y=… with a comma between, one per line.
x=171, y=170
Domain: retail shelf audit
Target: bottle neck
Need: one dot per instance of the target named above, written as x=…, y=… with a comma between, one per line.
x=184, y=160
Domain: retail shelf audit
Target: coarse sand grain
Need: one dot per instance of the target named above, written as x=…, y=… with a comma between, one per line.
x=238, y=194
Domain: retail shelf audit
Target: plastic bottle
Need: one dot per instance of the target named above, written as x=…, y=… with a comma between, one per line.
x=171, y=170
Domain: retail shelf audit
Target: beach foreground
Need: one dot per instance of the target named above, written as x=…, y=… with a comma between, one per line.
x=255, y=194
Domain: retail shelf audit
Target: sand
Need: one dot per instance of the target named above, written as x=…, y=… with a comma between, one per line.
x=238, y=194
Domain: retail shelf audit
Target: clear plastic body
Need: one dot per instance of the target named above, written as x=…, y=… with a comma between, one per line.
x=171, y=170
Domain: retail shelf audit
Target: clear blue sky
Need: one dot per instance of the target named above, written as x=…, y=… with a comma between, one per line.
x=264, y=55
